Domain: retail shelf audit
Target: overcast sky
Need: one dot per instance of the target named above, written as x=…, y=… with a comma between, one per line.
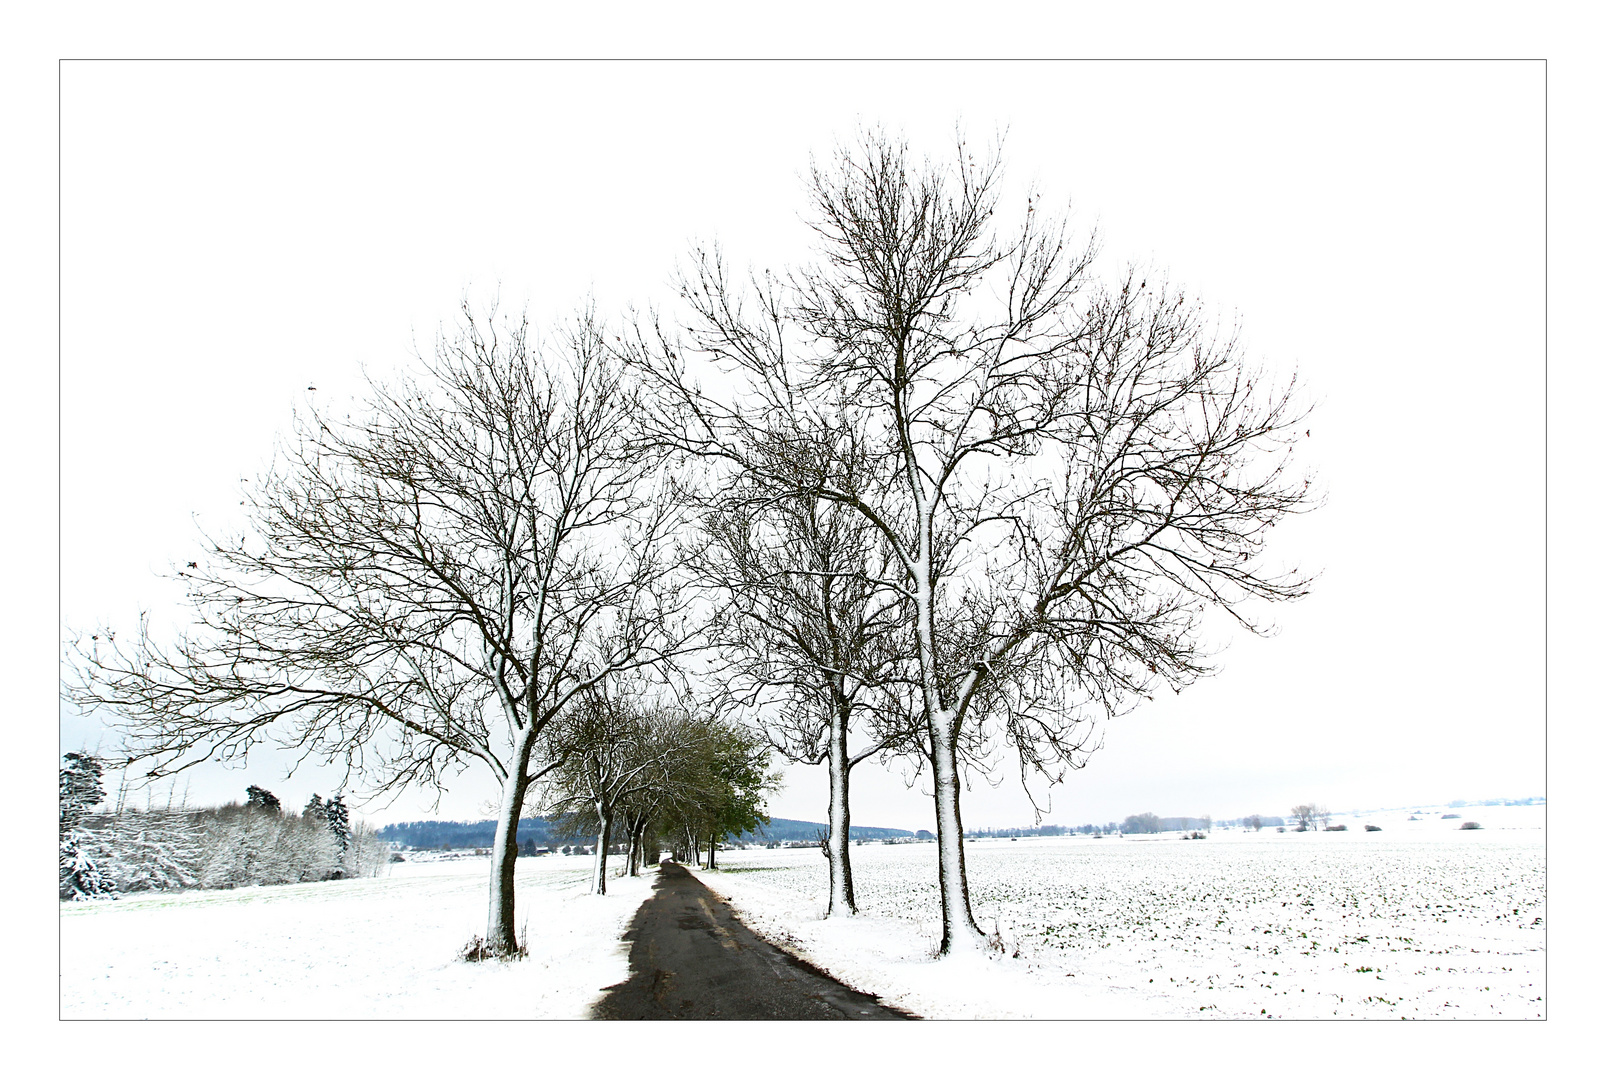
x=233, y=234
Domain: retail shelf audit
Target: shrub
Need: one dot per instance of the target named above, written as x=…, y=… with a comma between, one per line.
x=1447, y=817
x=1470, y=825
x=1374, y=828
x=1337, y=828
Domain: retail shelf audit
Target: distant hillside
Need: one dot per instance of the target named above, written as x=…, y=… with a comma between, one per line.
x=461, y=834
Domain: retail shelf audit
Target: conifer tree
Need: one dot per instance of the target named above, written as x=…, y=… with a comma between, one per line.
x=339, y=824
x=79, y=875
x=262, y=799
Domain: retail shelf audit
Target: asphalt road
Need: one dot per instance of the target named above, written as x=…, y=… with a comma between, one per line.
x=692, y=959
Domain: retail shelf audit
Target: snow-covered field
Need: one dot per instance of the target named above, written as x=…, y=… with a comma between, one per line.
x=377, y=947
x=1418, y=920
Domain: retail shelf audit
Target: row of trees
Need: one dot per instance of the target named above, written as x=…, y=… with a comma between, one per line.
x=938, y=494
x=632, y=771
x=233, y=846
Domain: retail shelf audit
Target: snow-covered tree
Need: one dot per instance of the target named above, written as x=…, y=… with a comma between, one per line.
x=154, y=849
x=1079, y=470
x=80, y=874
x=81, y=788
x=811, y=634
x=426, y=585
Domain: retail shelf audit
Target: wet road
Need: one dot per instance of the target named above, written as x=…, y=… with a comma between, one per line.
x=692, y=959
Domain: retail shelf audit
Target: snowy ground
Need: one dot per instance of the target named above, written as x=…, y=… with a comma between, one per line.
x=1418, y=920
x=371, y=948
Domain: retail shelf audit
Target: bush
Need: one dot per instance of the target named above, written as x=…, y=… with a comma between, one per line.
x=1374, y=828
x=1337, y=828
x=1447, y=817
x=1470, y=825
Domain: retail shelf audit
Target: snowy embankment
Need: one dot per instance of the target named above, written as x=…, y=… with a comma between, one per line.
x=370, y=948
x=1419, y=920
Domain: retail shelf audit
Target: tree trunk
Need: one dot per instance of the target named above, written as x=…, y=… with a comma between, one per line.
x=501, y=933
x=712, y=837
x=599, y=876
x=959, y=930
x=630, y=850
x=840, y=901
x=641, y=848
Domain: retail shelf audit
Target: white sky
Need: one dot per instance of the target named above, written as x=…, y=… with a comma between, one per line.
x=233, y=233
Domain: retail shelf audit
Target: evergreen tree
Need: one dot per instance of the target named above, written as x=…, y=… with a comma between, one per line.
x=262, y=799
x=316, y=809
x=339, y=824
x=81, y=790
x=79, y=875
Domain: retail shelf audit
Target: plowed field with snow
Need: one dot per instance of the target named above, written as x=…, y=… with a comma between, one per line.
x=1419, y=920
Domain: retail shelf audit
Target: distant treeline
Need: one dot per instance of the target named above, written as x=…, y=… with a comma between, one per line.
x=539, y=832
x=1041, y=830
x=790, y=830
x=1135, y=823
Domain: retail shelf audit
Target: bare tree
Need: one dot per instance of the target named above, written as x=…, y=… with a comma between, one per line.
x=1305, y=815
x=425, y=588
x=812, y=632
x=1080, y=471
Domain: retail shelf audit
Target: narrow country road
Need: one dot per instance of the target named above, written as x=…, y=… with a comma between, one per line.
x=692, y=959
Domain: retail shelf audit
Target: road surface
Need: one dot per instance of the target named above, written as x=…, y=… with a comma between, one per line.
x=692, y=959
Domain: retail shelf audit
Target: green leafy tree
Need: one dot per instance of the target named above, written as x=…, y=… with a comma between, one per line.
x=739, y=777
